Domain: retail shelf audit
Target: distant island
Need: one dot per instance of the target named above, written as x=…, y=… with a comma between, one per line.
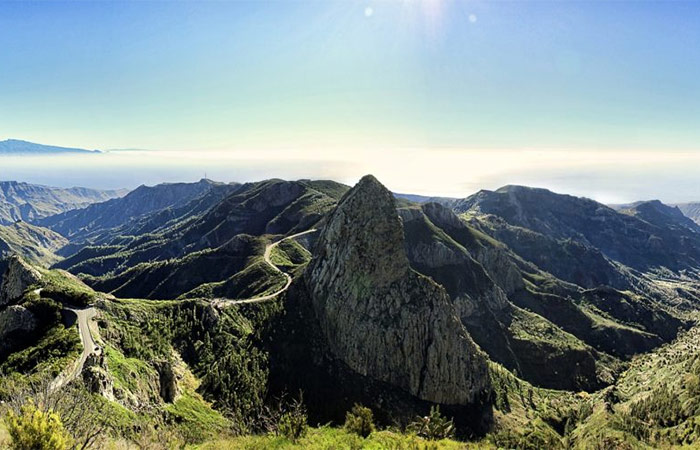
x=19, y=147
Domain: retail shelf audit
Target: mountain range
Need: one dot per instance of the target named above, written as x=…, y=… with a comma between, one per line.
x=19, y=147
x=24, y=201
x=515, y=310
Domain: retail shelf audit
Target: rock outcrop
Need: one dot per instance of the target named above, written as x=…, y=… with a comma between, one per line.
x=97, y=378
x=16, y=318
x=168, y=381
x=379, y=316
x=18, y=277
x=493, y=258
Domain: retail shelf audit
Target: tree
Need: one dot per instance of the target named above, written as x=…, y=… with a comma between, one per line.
x=35, y=429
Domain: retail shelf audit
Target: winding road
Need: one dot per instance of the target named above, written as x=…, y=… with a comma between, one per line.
x=84, y=316
x=220, y=302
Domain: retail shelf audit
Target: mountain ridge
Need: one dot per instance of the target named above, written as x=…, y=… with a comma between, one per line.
x=20, y=147
x=32, y=202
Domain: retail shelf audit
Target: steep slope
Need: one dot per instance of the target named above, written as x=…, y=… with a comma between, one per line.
x=568, y=259
x=690, y=210
x=78, y=224
x=30, y=202
x=380, y=317
x=661, y=215
x=212, y=238
x=34, y=243
x=620, y=237
x=173, y=277
x=490, y=286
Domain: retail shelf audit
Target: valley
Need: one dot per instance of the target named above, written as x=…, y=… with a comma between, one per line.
x=209, y=314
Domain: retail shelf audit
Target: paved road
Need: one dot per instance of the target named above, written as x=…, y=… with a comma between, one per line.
x=266, y=257
x=89, y=347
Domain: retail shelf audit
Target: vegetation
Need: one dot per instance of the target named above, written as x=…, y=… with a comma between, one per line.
x=257, y=279
x=35, y=244
x=37, y=430
x=51, y=353
x=326, y=437
x=184, y=372
x=66, y=289
x=289, y=254
x=360, y=420
x=292, y=423
x=434, y=426
x=194, y=419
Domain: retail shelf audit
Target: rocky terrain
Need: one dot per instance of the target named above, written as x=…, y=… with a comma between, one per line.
x=30, y=202
x=691, y=210
x=380, y=317
x=36, y=244
x=513, y=310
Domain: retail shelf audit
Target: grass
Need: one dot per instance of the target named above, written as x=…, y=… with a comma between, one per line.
x=66, y=288
x=289, y=254
x=599, y=430
x=531, y=327
x=131, y=373
x=256, y=280
x=329, y=438
x=195, y=418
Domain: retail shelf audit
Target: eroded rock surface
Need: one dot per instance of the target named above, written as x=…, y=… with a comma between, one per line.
x=380, y=317
x=17, y=278
x=15, y=319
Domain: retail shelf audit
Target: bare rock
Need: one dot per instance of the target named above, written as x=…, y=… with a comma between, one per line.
x=16, y=318
x=380, y=317
x=97, y=378
x=18, y=277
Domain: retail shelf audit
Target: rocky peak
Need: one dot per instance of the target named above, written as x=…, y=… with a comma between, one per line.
x=367, y=225
x=381, y=318
x=660, y=214
x=17, y=278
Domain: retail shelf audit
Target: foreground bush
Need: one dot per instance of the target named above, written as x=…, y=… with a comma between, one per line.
x=36, y=430
x=360, y=420
x=434, y=426
x=292, y=424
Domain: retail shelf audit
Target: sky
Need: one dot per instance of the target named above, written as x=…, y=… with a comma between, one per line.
x=440, y=97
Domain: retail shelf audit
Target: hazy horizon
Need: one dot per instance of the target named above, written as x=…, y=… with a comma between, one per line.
x=434, y=97
x=601, y=177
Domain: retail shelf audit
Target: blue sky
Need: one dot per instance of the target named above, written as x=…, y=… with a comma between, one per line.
x=323, y=79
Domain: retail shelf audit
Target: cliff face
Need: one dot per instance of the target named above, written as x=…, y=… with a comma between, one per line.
x=17, y=278
x=380, y=317
x=15, y=319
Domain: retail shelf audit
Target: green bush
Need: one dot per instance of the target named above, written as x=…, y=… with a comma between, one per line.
x=359, y=420
x=292, y=425
x=36, y=430
x=434, y=426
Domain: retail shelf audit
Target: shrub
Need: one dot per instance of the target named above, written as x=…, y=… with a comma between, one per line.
x=36, y=430
x=359, y=420
x=434, y=426
x=292, y=424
